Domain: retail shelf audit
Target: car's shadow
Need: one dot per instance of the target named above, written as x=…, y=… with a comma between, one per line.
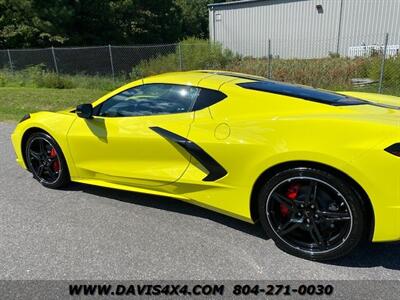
x=172, y=205
x=369, y=255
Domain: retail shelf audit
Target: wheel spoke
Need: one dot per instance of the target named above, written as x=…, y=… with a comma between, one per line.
x=42, y=148
x=34, y=154
x=51, y=173
x=316, y=235
x=40, y=170
x=311, y=195
x=334, y=216
x=283, y=200
x=297, y=202
x=288, y=227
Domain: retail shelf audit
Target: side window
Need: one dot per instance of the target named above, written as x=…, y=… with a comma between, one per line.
x=150, y=99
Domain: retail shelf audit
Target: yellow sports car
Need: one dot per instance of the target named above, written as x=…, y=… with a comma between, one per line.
x=319, y=170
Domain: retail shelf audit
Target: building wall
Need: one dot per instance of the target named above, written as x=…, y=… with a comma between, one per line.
x=365, y=22
x=297, y=29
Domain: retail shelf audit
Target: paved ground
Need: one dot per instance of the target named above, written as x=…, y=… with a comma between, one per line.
x=94, y=233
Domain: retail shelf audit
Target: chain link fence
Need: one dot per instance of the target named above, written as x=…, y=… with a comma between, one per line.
x=99, y=60
x=357, y=63
x=370, y=63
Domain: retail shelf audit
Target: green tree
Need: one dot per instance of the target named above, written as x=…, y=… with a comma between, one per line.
x=43, y=23
x=143, y=21
x=100, y=22
x=91, y=23
x=21, y=25
x=195, y=17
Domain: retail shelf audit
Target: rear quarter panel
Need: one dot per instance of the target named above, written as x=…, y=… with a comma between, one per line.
x=266, y=131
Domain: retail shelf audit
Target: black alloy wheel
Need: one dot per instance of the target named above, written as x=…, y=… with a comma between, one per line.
x=46, y=161
x=311, y=213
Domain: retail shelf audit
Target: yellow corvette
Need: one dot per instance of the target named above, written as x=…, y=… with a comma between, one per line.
x=319, y=170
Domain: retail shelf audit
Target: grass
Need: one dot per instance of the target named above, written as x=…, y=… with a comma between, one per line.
x=17, y=101
x=37, y=76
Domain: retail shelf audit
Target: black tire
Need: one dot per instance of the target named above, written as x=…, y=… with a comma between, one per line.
x=326, y=230
x=60, y=176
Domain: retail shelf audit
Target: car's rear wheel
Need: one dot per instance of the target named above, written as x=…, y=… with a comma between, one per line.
x=311, y=213
x=46, y=161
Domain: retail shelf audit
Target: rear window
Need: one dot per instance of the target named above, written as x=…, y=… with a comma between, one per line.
x=302, y=92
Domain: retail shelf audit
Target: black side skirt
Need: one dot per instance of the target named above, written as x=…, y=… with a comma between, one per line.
x=216, y=171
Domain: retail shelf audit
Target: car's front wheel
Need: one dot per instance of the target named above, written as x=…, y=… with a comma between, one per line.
x=311, y=213
x=46, y=161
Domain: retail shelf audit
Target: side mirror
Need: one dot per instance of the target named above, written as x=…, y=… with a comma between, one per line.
x=84, y=111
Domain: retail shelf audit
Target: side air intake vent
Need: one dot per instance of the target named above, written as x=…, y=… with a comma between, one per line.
x=394, y=149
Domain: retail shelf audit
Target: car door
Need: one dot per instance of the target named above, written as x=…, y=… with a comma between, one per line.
x=122, y=143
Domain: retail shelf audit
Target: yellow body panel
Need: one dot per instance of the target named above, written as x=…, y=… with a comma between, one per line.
x=248, y=133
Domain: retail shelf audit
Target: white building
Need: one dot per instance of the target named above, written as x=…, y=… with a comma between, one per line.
x=305, y=28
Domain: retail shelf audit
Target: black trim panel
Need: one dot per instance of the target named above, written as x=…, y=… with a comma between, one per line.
x=216, y=171
x=207, y=98
x=25, y=117
x=394, y=149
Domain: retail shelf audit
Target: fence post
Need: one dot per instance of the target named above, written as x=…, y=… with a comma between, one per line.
x=269, y=60
x=111, y=61
x=382, y=75
x=180, y=56
x=10, y=61
x=340, y=28
x=54, y=59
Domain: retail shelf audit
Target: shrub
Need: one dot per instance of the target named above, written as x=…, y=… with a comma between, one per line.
x=332, y=73
x=52, y=80
x=392, y=70
x=3, y=80
x=191, y=54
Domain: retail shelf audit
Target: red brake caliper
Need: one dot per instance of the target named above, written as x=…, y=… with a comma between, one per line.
x=292, y=194
x=56, y=164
